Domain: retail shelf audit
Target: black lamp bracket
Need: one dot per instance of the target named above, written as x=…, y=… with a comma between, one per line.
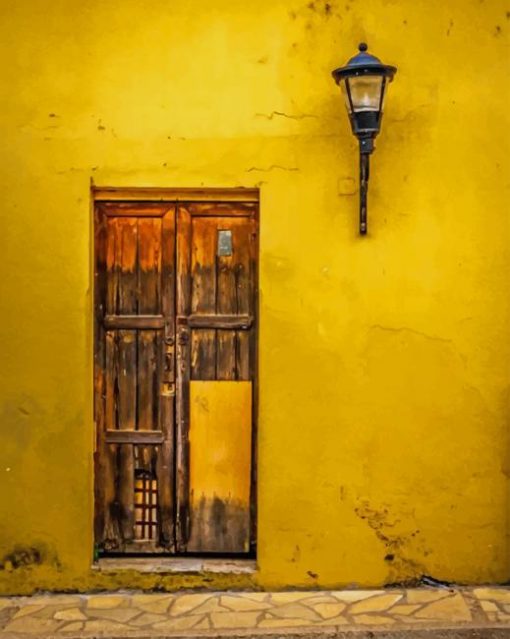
x=366, y=146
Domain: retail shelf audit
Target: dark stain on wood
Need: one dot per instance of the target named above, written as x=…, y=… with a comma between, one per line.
x=219, y=526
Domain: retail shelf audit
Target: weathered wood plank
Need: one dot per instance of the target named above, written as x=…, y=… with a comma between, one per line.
x=143, y=437
x=203, y=354
x=221, y=321
x=107, y=534
x=112, y=538
x=149, y=301
x=134, y=209
x=183, y=262
x=222, y=209
x=165, y=471
x=126, y=259
x=165, y=467
x=137, y=322
x=203, y=296
x=183, y=304
x=244, y=298
x=111, y=380
x=226, y=303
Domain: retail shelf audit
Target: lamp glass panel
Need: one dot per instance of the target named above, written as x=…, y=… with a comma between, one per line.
x=366, y=92
x=345, y=94
x=384, y=92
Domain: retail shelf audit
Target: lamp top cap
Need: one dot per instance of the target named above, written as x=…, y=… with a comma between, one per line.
x=363, y=57
x=364, y=63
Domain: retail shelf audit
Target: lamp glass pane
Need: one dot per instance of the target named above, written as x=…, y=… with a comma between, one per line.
x=345, y=94
x=366, y=92
x=384, y=90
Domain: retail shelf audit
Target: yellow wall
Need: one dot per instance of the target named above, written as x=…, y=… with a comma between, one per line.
x=384, y=361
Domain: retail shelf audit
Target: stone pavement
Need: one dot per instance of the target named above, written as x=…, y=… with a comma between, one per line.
x=364, y=613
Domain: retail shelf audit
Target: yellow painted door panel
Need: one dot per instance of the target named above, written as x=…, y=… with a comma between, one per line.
x=220, y=465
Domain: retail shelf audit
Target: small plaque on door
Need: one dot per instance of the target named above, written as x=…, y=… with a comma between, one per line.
x=224, y=243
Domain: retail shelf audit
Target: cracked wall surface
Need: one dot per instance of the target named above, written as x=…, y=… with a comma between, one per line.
x=384, y=361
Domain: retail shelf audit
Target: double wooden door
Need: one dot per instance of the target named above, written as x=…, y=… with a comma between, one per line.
x=175, y=368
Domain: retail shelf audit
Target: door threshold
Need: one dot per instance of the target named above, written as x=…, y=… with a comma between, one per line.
x=176, y=565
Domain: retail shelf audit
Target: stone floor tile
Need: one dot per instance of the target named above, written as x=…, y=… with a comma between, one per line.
x=121, y=615
x=141, y=599
x=234, y=619
x=212, y=605
x=28, y=610
x=242, y=603
x=452, y=608
x=355, y=595
x=375, y=604
x=104, y=626
x=334, y=621
x=205, y=624
x=160, y=605
x=56, y=600
x=32, y=625
x=329, y=610
x=49, y=612
x=107, y=601
x=281, y=623
x=404, y=609
x=295, y=611
x=288, y=597
x=255, y=596
x=497, y=594
x=186, y=603
x=179, y=623
x=489, y=606
x=70, y=614
x=146, y=619
x=74, y=626
x=5, y=603
x=317, y=599
x=426, y=596
x=374, y=620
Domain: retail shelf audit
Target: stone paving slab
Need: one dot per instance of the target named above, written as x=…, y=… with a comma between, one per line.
x=361, y=613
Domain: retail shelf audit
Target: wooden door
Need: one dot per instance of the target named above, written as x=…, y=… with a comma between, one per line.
x=216, y=371
x=135, y=376
x=175, y=372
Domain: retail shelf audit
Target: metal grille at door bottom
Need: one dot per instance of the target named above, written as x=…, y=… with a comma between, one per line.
x=146, y=506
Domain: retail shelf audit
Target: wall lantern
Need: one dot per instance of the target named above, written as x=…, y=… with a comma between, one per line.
x=364, y=80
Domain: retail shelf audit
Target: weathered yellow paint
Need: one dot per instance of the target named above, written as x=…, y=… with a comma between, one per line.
x=384, y=361
x=220, y=440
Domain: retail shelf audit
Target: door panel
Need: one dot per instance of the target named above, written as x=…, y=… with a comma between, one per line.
x=216, y=318
x=220, y=466
x=134, y=369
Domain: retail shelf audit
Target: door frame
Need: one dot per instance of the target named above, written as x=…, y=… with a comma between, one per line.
x=170, y=195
